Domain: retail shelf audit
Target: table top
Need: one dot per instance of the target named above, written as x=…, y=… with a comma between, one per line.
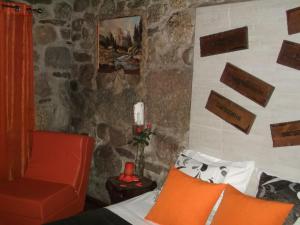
x=121, y=185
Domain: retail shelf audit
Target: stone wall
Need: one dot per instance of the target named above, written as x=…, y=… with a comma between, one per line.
x=102, y=103
x=72, y=96
x=52, y=63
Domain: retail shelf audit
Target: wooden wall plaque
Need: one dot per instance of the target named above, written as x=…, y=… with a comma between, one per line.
x=228, y=41
x=290, y=55
x=286, y=134
x=231, y=112
x=247, y=84
x=293, y=20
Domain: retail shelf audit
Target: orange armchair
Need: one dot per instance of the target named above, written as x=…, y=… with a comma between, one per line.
x=55, y=182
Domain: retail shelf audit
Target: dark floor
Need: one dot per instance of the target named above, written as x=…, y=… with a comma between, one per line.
x=92, y=203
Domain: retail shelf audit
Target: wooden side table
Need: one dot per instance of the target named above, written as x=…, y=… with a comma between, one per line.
x=121, y=191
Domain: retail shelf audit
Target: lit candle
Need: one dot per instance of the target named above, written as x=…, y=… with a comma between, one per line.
x=129, y=169
x=138, y=111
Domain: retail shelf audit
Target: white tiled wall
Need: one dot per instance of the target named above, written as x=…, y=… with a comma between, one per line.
x=267, y=27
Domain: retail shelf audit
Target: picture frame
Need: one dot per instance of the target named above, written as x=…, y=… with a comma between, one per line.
x=119, y=45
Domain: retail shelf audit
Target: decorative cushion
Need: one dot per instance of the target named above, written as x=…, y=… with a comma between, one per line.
x=57, y=157
x=237, y=174
x=184, y=200
x=197, y=169
x=237, y=208
x=274, y=188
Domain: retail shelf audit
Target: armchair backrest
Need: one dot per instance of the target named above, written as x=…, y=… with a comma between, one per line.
x=62, y=158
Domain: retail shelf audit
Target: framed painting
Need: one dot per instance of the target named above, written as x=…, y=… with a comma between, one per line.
x=120, y=45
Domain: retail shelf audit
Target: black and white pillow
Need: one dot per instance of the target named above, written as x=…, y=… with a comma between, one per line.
x=201, y=170
x=198, y=169
x=274, y=188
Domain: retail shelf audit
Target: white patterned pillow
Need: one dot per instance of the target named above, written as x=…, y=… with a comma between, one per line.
x=238, y=173
x=194, y=168
x=215, y=170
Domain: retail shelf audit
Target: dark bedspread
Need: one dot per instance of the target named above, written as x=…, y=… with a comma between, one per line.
x=100, y=216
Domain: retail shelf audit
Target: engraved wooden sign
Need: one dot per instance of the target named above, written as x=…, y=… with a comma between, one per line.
x=293, y=20
x=228, y=41
x=247, y=84
x=290, y=55
x=231, y=112
x=286, y=134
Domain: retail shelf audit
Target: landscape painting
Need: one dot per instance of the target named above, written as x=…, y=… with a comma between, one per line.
x=120, y=45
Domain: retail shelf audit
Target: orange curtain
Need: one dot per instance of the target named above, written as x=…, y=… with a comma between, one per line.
x=16, y=89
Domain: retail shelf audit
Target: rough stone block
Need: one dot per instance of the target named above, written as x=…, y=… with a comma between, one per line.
x=77, y=24
x=90, y=20
x=138, y=3
x=117, y=137
x=58, y=57
x=107, y=8
x=42, y=87
x=80, y=5
x=65, y=33
x=103, y=132
x=66, y=75
x=155, y=12
x=125, y=153
x=106, y=161
x=53, y=22
x=82, y=57
x=76, y=37
x=44, y=34
x=86, y=73
x=63, y=11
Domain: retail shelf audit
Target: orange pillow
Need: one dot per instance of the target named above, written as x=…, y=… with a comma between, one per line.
x=239, y=209
x=184, y=200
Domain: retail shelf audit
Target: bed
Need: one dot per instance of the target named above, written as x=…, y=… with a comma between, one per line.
x=200, y=175
x=134, y=210
x=131, y=211
x=128, y=212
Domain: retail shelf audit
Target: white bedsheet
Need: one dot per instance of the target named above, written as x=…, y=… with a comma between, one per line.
x=134, y=210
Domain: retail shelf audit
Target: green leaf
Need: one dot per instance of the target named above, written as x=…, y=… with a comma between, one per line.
x=142, y=138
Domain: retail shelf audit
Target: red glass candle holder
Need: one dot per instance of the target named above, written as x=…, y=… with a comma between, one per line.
x=129, y=169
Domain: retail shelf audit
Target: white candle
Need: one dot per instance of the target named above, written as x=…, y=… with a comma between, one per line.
x=138, y=110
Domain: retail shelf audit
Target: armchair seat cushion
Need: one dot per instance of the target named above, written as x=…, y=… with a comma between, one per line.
x=37, y=198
